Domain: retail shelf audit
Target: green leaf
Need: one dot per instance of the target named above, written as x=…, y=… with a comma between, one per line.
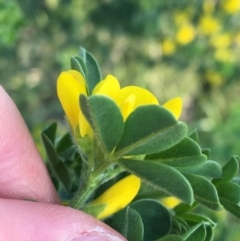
x=64, y=143
x=176, y=226
x=59, y=168
x=128, y=222
x=209, y=234
x=194, y=135
x=62, y=173
x=204, y=191
x=150, y=129
x=196, y=218
x=183, y=207
x=182, y=224
x=184, y=154
x=231, y=207
x=229, y=191
x=78, y=64
x=93, y=71
x=155, y=217
x=230, y=169
x=197, y=233
x=171, y=237
x=50, y=132
x=105, y=118
x=207, y=169
x=50, y=149
x=236, y=180
x=161, y=176
x=149, y=191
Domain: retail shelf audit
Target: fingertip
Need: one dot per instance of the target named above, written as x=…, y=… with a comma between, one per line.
x=42, y=221
x=23, y=174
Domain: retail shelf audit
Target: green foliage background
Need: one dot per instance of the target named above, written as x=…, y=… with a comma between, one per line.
x=174, y=48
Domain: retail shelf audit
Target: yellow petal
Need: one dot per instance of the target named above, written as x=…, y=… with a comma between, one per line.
x=118, y=196
x=142, y=97
x=170, y=202
x=78, y=76
x=68, y=90
x=109, y=86
x=174, y=106
x=84, y=126
x=127, y=106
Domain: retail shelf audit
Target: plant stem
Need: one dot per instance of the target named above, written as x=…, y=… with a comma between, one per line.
x=83, y=194
x=101, y=175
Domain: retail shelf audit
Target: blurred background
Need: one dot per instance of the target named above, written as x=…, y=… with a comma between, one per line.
x=173, y=48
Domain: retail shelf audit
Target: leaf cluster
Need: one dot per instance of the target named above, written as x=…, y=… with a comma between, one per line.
x=152, y=145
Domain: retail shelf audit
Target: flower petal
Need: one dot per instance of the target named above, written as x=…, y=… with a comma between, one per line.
x=127, y=106
x=118, y=196
x=170, y=202
x=174, y=106
x=78, y=76
x=84, y=126
x=68, y=89
x=109, y=86
x=142, y=97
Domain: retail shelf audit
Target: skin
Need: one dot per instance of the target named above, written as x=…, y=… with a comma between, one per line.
x=23, y=177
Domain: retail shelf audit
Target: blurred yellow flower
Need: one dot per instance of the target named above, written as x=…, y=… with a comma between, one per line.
x=231, y=6
x=214, y=78
x=223, y=55
x=185, y=34
x=209, y=25
x=181, y=17
x=209, y=6
x=237, y=38
x=168, y=47
x=221, y=41
x=118, y=196
x=71, y=84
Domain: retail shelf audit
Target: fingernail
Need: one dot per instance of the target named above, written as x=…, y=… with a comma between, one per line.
x=97, y=237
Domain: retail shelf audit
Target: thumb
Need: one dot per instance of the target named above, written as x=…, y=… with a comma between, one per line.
x=26, y=221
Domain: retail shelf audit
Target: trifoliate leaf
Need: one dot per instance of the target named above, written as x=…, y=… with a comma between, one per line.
x=150, y=129
x=163, y=177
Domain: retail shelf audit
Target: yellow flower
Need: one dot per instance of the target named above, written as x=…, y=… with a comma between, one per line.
x=231, y=6
x=209, y=6
x=214, y=78
x=185, y=34
x=181, y=17
x=208, y=24
x=221, y=41
x=71, y=84
x=223, y=55
x=168, y=47
x=118, y=196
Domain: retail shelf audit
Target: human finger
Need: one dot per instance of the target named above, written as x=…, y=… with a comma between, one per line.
x=27, y=221
x=23, y=174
